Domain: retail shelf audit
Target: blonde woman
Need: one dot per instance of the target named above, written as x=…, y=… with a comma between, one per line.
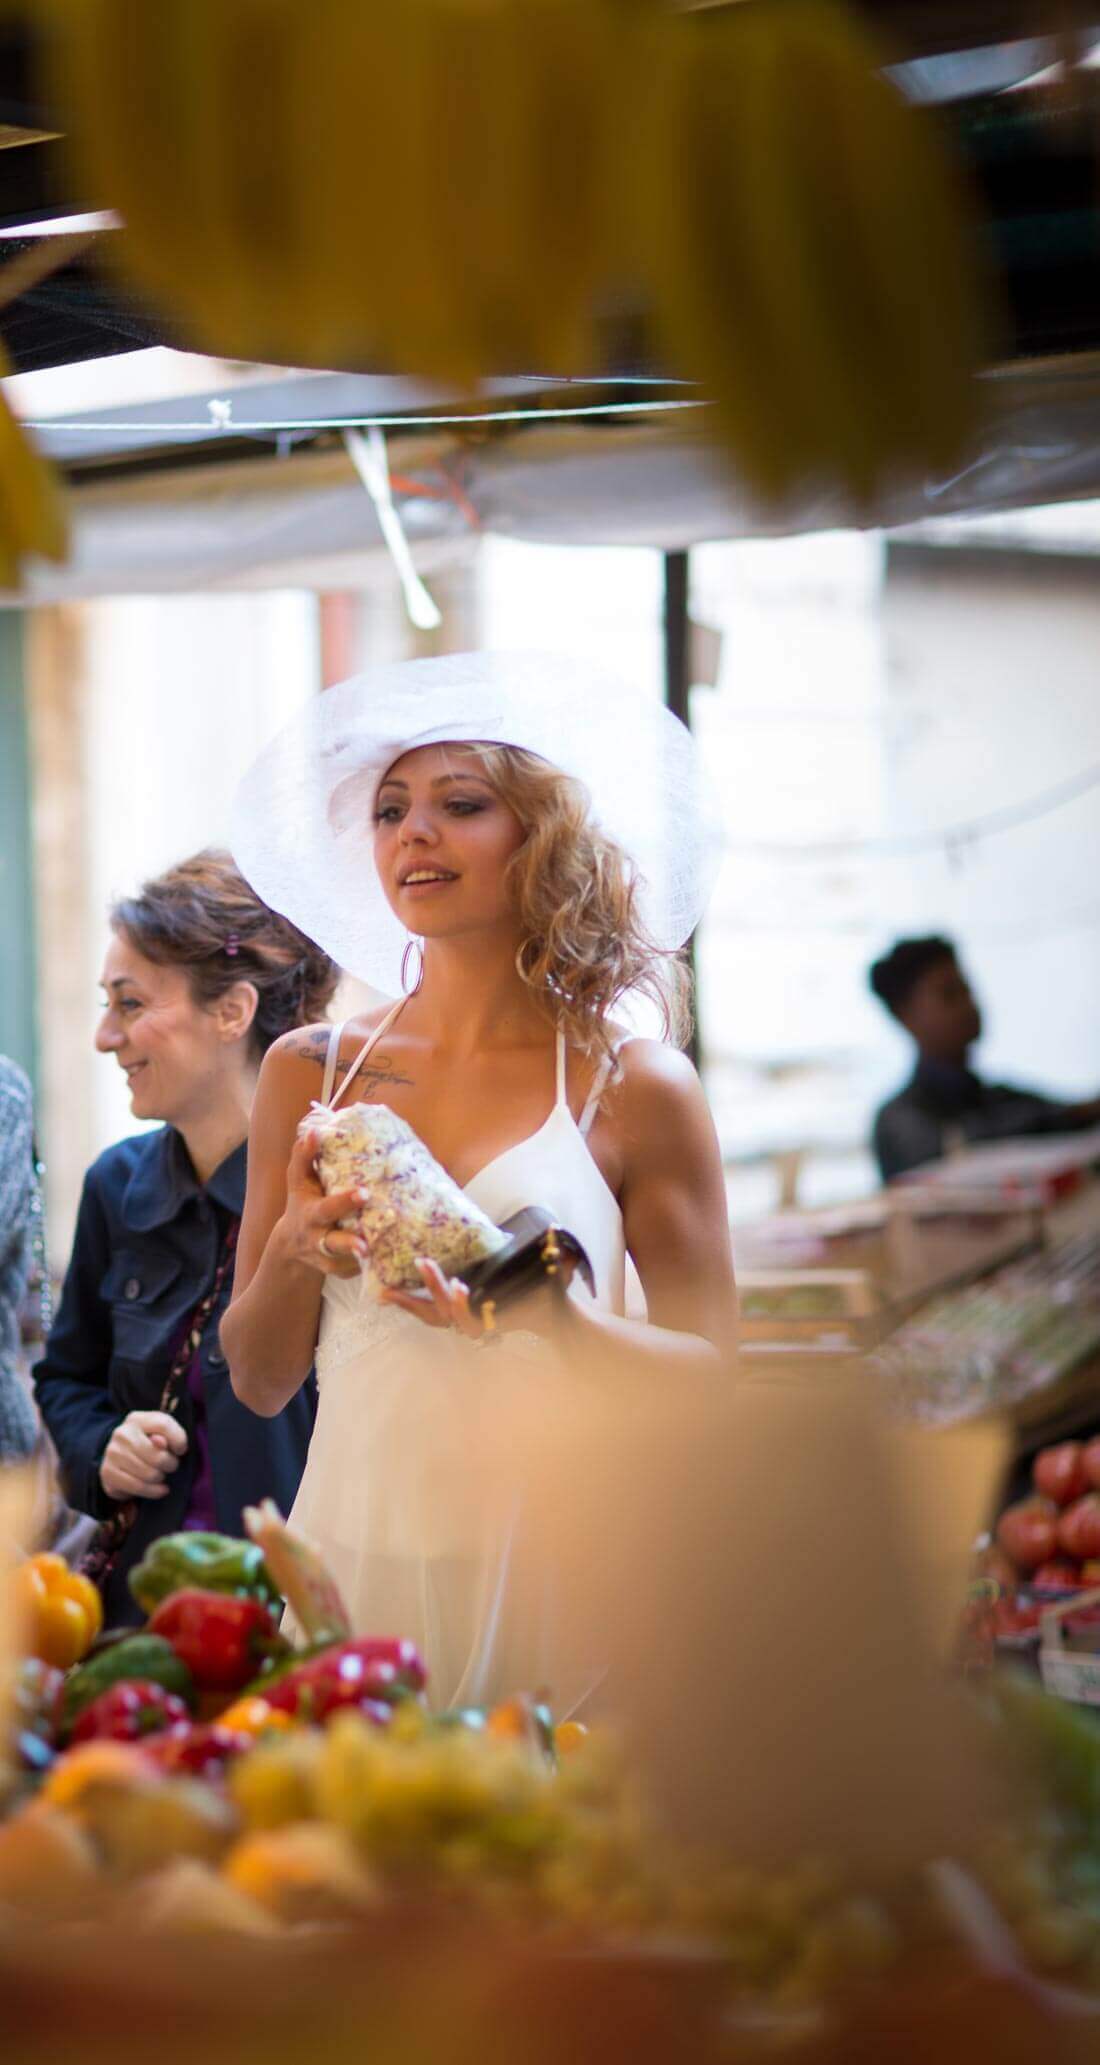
x=529, y=847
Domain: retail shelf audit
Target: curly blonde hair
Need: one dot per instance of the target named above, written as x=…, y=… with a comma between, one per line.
x=583, y=944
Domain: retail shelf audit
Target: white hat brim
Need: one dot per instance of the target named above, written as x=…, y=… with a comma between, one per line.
x=303, y=816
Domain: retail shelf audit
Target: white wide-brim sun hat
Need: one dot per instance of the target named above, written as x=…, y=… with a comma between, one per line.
x=303, y=817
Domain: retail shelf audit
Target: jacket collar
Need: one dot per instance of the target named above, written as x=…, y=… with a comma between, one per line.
x=164, y=1182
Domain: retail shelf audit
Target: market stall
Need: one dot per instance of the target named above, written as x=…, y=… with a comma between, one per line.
x=227, y=1803
x=974, y=1290
x=977, y=1281
x=811, y=1831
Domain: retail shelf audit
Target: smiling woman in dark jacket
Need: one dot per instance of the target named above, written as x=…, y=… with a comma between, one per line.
x=199, y=978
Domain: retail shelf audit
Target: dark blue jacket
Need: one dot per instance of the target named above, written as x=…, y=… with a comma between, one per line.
x=148, y=1239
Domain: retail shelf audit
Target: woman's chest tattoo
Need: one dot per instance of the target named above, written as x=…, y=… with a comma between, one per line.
x=381, y=1069
x=375, y=1073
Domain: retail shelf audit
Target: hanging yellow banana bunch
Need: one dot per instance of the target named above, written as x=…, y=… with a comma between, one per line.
x=444, y=187
x=32, y=509
x=419, y=183
x=807, y=249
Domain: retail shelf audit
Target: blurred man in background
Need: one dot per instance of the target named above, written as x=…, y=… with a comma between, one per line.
x=945, y=1105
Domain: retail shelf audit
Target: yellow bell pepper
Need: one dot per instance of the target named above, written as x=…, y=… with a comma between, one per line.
x=62, y=1612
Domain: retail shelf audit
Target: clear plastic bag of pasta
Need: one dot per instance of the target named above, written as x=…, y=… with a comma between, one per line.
x=413, y=1209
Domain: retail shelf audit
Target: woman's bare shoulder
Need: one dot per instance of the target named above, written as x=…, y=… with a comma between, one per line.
x=655, y=1089
x=652, y=1065
x=295, y=1062
x=661, y=1110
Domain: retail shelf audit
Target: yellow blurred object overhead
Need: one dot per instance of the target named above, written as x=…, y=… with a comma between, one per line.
x=452, y=188
x=32, y=507
x=809, y=251
x=420, y=185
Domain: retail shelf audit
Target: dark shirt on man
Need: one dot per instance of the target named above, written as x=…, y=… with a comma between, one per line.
x=944, y=1104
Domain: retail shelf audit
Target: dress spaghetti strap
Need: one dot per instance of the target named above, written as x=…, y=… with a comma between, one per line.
x=365, y=1049
x=559, y=1067
x=602, y=1077
x=331, y=1058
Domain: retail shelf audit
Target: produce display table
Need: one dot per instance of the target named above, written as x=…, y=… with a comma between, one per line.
x=970, y=1302
x=1070, y=1404
x=815, y=1281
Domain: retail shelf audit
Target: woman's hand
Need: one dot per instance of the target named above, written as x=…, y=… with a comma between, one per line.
x=312, y=1218
x=446, y=1303
x=144, y=1449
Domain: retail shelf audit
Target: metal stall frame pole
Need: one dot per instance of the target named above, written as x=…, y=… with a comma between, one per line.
x=677, y=643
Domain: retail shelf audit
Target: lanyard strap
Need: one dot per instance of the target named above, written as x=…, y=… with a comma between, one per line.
x=176, y=1381
x=102, y=1552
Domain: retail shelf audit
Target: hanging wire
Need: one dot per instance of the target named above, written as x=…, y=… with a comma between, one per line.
x=950, y=839
x=1083, y=917
x=451, y=420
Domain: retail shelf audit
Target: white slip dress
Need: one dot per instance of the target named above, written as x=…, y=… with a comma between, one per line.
x=421, y=1538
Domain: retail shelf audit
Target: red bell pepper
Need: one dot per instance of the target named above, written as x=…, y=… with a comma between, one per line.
x=222, y=1640
x=126, y=1712
x=201, y=1750
x=373, y=1671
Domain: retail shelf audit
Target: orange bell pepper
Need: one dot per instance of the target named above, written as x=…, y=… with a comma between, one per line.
x=254, y=1716
x=62, y=1612
x=94, y=1764
x=523, y=1719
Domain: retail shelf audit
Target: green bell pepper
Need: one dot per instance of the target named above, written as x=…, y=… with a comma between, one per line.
x=209, y=1562
x=147, y=1657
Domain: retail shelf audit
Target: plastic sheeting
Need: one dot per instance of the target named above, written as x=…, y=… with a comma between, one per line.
x=271, y=523
x=304, y=520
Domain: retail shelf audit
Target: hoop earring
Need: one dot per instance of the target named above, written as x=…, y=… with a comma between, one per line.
x=408, y=989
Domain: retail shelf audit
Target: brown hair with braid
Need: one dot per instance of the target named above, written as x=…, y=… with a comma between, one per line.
x=202, y=916
x=583, y=944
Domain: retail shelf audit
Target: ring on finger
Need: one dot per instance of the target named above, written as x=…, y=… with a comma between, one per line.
x=324, y=1249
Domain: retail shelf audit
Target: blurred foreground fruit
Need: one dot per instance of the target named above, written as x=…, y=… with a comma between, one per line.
x=794, y=223
x=808, y=249
x=47, y=1863
x=455, y=226
x=305, y=1872
x=1059, y=1473
x=1028, y=1532
x=1079, y=1527
x=61, y=1612
x=33, y=520
x=129, y=1711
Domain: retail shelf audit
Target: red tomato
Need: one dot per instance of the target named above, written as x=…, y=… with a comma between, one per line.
x=1028, y=1533
x=1059, y=1575
x=1010, y=1620
x=1079, y=1527
x=1090, y=1458
x=1059, y=1473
